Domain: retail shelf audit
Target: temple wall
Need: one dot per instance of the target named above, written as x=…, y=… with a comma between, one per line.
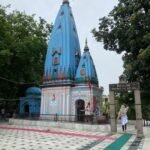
x=56, y=100
x=62, y=100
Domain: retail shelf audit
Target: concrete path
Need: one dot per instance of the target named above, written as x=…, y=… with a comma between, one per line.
x=25, y=137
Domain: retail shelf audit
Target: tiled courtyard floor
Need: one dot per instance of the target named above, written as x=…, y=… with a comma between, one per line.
x=14, y=137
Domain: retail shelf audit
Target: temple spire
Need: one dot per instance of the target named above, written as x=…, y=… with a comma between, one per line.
x=86, y=48
x=86, y=68
x=65, y=1
x=61, y=59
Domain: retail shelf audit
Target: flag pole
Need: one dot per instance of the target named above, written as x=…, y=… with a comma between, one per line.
x=89, y=83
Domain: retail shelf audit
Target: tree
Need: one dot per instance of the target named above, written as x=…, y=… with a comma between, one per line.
x=23, y=44
x=127, y=29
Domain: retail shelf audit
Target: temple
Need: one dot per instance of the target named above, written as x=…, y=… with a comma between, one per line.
x=70, y=84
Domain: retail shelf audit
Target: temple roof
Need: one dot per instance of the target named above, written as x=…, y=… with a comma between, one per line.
x=63, y=53
x=33, y=91
x=86, y=70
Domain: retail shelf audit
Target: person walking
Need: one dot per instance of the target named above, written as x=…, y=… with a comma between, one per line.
x=123, y=115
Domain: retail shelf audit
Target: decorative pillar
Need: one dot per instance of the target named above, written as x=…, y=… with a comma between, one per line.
x=139, y=120
x=113, y=112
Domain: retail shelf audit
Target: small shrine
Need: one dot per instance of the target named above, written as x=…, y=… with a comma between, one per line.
x=30, y=104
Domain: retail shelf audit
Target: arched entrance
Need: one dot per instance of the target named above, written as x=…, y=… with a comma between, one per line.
x=80, y=110
x=26, y=108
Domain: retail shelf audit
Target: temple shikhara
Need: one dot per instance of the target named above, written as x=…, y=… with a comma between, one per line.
x=70, y=84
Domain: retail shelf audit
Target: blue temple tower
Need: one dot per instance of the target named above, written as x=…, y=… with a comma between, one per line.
x=70, y=82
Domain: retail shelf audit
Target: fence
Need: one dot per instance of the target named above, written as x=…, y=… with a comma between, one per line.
x=91, y=119
x=146, y=114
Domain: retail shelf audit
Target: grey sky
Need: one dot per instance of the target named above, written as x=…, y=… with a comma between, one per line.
x=86, y=13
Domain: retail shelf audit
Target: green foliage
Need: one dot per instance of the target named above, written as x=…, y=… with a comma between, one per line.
x=23, y=44
x=127, y=29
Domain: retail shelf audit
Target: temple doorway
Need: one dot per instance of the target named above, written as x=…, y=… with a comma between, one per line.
x=26, y=108
x=80, y=110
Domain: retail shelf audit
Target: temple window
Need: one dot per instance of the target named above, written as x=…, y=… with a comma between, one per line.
x=55, y=70
x=76, y=53
x=59, y=27
x=55, y=61
x=74, y=29
x=83, y=66
x=82, y=72
x=59, y=51
x=53, y=52
x=62, y=13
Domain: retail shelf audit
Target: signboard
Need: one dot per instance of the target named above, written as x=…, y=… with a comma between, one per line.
x=124, y=86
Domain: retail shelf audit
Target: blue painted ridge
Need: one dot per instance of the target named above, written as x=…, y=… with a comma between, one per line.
x=119, y=143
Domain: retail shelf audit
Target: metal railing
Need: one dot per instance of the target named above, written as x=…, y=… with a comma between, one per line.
x=146, y=114
x=147, y=122
x=89, y=119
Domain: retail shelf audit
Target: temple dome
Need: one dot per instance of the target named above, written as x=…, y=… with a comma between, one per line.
x=33, y=91
x=86, y=70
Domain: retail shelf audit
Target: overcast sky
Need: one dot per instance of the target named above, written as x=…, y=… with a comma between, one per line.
x=86, y=13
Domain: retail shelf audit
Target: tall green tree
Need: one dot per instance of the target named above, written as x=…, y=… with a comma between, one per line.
x=23, y=44
x=127, y=29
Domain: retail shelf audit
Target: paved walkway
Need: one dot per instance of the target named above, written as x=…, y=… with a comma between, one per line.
x=16, y=137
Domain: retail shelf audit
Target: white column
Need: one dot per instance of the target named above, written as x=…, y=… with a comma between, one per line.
x=42, y=104
x=68, y=106
x=113, y=112
x=139, y=122
x=63, y=104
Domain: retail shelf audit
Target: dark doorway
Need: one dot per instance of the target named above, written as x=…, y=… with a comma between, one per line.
x=80, y=110
x=26, y=108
